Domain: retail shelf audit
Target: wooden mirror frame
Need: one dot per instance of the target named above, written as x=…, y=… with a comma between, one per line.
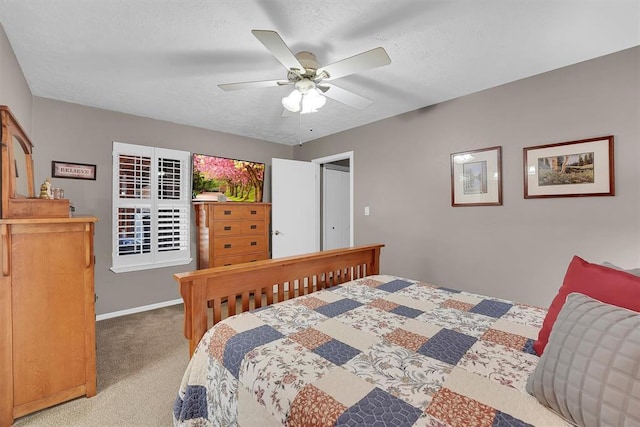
x=11, y=129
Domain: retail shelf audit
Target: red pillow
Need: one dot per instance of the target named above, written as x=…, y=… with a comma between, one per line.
x=605, y=284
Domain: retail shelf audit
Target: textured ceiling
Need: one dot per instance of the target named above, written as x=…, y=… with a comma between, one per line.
x=164, y=58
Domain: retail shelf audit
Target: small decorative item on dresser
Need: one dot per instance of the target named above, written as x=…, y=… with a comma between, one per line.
x=45, y=189
x=58, y=193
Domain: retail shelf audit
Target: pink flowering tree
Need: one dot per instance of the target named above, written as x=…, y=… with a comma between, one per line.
x=238, y=180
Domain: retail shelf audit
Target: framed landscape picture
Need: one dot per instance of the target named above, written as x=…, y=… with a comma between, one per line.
x=570, y=169
x=476, y=177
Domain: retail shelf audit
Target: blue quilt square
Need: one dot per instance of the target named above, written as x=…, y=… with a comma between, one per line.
x=379, y=408
x=394, y=285
x=194, y=404
x=447, y=346
x=405, y=311
x=505, y=420
x=528, y=347
x=491, y=308
x=336, y=308
x=242, y=343
x=336, y=352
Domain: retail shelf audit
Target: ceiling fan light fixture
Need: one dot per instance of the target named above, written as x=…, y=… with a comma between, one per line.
x=312, y=101
x=292, y=101
x=304, y=98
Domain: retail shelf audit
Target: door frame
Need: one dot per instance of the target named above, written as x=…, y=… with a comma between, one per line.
x=329, y=159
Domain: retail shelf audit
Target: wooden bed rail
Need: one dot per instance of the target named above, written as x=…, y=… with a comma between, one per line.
x=237, y=288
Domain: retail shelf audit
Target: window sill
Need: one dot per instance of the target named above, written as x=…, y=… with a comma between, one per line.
x=128, y=268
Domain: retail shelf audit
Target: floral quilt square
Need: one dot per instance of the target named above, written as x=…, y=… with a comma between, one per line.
x=425, y=293
x=501, y=364
x=516, y=342
x=290, y=318
x=371, y=320
x=310, y=301
x=406, y=339
x=360, y=293
x=458, y=410
x=310, y=338
x=400, y=372
x=313, y=407
x=526, y=315
x=274, y=373
x=368, y=281
x=383, y=304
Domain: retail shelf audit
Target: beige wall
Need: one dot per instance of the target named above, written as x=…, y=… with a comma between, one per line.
x=70, y=132
x=75, y=133
x=14, y=90
x=519, y=250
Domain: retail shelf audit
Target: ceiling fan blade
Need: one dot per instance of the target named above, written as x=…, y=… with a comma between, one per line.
x=344, y=96
x=363, y=61
x=253, y=85
x=278, y=48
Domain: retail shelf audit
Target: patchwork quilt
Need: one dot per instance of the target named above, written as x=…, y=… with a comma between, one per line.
x=382, y=350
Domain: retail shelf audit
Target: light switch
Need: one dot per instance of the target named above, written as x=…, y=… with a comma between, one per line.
x=366, y=210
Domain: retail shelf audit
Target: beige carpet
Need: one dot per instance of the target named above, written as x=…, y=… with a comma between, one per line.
x=140, y=362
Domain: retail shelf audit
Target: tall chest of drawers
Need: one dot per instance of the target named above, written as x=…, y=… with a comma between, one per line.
x=232, y=232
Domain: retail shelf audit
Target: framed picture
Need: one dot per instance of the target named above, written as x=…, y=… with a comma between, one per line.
x=73, y=170
x=476, y=177
x=570, y=169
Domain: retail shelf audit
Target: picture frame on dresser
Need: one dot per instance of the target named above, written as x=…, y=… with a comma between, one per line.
x=570, y=169
x=476, y=177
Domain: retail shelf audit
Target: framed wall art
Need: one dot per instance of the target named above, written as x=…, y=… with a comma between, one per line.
x=570, y=169
x=476, y=177
x=73, y=170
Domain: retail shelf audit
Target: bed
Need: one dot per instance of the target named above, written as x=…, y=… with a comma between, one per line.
x=325, y=339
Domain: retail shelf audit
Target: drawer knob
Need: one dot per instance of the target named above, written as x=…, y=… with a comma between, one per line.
x=227, y=245
x=254, y=212
x=227, y=228
x=254, y=243
x=253, y=227
x=227, y=212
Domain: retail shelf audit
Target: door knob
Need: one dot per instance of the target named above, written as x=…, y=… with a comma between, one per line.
x=278, y=232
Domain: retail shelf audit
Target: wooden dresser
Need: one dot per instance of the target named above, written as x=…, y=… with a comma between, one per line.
x=232, y=232
x=47, y=299
x=47, y=313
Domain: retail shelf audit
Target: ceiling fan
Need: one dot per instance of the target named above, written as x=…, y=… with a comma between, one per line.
x=309, y=80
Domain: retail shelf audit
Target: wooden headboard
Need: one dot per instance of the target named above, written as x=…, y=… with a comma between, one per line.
x=238, y=288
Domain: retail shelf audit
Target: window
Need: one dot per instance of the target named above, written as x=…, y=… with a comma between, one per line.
x=151, y=202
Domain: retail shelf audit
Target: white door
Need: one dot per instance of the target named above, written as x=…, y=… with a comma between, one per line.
x=335, y=195
x=295, y=211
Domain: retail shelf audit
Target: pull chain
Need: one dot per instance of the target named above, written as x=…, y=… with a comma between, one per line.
x=300, y=129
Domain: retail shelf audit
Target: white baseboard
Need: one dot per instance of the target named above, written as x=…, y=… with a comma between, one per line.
x=138, y=309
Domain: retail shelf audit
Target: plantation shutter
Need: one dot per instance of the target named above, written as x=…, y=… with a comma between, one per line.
x=151, y=220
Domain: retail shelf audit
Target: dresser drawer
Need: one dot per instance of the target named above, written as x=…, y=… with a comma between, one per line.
x=239, y=245
x=235, y=228
x=238, y=259
x=229, y=211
